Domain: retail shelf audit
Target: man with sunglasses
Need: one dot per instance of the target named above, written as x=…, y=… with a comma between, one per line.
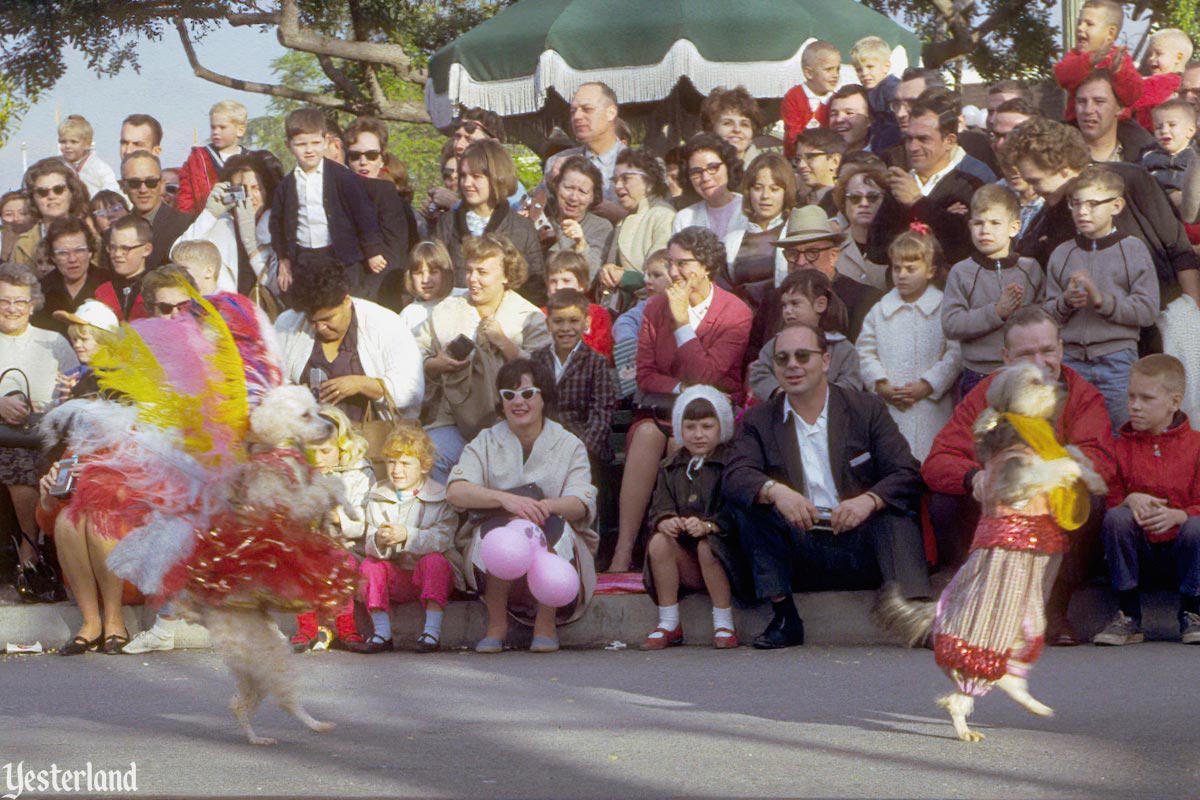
x=810, y=242
x=825, y=489
x=142, y=180
x=129, y=249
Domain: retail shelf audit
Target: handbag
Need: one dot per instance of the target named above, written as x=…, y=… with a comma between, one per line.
x=470, y=393
x=376, y=431
x=38, y=582
x=25, y=435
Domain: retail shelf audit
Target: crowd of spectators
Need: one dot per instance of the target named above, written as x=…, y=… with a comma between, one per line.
x=797, y=342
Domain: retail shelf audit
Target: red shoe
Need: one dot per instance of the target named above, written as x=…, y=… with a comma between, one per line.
x=668, y=639
x=724, y=639
x=306, y=632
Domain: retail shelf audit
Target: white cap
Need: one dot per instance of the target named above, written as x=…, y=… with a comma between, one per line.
x=974, y=116
x=91, y=312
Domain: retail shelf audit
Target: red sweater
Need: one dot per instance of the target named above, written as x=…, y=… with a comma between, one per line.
x=1165, y=465
x=797, y=112
x=1075, y=66
x=197, y=176
x=1156, y=89
x=106, y=293
x=1083, y=423
x=713, y=357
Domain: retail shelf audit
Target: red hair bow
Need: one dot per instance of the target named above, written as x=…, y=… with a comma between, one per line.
x=919, y=227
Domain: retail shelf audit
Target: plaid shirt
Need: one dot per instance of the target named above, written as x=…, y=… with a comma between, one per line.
x=587, y=397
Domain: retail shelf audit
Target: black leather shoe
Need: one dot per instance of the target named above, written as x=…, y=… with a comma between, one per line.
x=113, y=645
x=79, y=646
x=781, y=633
x=428, y=644
x=371, y=646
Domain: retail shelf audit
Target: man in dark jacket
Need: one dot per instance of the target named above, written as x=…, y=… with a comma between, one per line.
x=142, y=180
x=825, y=489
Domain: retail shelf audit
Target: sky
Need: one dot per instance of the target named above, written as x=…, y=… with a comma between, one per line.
x=165, y=88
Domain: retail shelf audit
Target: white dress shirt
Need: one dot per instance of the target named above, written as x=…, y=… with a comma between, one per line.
x=312, y=229
x=819, y=486
x=928, y=186
x=561, y=366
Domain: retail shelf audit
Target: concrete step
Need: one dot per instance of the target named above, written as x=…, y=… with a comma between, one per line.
x=830, y=618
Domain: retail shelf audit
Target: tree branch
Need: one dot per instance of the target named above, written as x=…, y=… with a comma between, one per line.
x=340, y=79
x=295, y=37
x=274, y=90
x=963, y=39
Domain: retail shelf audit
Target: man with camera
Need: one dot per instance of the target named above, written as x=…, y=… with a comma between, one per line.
x=825, y=488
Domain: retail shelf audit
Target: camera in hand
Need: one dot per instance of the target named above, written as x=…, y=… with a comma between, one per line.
x=823, y=521
x=235, y=194
x=64, y=483
x=460, y=347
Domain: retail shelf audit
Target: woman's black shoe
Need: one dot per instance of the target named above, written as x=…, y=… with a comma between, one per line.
x=113, y=644
x=79, y=645
x=428, y=643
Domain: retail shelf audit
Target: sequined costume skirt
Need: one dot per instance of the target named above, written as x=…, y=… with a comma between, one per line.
x=261, y=561
x=991, y=619
x=1015, y=532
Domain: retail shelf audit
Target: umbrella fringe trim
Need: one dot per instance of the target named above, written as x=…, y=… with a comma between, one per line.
x=634, y=84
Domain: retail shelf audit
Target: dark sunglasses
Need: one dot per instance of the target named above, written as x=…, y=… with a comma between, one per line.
x=802, y=357
x=137, y=183
x=170, y=188
x=470, y=126
x=167, y=309
x=369, y=155
x=45, y=191
x=528, y=393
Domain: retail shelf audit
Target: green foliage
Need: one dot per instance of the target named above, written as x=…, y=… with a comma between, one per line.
x=1024, y=44
x=1182, y=14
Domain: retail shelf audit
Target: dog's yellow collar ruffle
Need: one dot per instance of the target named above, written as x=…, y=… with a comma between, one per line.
x=1070, y=505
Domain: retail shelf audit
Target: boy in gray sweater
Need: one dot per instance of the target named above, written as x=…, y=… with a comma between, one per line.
x=1102, y=288
x=984, y=290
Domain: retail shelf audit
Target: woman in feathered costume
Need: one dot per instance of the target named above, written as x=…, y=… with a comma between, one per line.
x=989, y=623
x=213, y=503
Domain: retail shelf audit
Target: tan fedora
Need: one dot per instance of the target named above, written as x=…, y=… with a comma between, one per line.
x=809, y=224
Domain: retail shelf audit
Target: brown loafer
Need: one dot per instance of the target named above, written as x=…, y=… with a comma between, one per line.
x=668, y=639
x=725, y=639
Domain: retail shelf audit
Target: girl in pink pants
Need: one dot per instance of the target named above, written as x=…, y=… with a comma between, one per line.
x=409, y=528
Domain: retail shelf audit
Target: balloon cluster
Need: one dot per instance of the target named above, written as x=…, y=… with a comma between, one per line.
x=518, y=549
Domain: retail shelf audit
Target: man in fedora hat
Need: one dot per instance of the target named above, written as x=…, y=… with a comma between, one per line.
x=809, y=241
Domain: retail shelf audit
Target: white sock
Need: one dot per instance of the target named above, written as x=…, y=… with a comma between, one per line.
x=166, y=624
x=382, y=623
x=722, y=618
x=433, y=623
x=668, y=620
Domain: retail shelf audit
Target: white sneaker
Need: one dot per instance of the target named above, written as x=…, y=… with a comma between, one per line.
x=159, y=637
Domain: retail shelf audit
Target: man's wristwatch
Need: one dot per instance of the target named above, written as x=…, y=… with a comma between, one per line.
x=767, y=487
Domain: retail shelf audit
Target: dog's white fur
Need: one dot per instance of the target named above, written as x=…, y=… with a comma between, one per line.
x=248, y=639
x=1020, y=389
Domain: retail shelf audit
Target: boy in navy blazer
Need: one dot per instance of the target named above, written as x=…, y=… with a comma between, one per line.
x=322, y=217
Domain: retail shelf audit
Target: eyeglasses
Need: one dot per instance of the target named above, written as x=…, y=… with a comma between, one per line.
x=782, y=357
x=137, y=183
x=807, y=157
x=528, y=393
x=708, y=169
x=66, y=252
x=469, y=126
x=448, y=173
x=625, y=176
x=1090, y=205
x=897, y=104
x=369, y=155
x=19, y=305
x=167, y=309
x=793, y=254
x=112, y=212
x=170, y=188
x=869, y=197
x=124, y=249
x=45, y=191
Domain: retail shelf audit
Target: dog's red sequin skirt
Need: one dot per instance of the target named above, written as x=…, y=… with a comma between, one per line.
x=991, y=619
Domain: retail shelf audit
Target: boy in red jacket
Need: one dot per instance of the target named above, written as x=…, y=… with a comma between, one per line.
x=1096, y=32
x=1153, y=518
x=226, y=126
x=807, y=105
x=1170, y=51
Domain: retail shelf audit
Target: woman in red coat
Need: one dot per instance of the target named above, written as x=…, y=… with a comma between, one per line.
x=694, y=334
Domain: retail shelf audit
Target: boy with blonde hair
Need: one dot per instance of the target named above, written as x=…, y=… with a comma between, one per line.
x=1174, y=128
x=202, y=260
x=872, y=60
x=75, y=144
x=1152, y=526
x=807, y=104
x=1170, y=50
x=1096, y=31
x=226, y=125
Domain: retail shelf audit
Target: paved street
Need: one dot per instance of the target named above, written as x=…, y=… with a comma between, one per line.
x=811, y=722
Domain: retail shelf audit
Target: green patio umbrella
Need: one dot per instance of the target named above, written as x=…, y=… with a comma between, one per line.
x=643, y=48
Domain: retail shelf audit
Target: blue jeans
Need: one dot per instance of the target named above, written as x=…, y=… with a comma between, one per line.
x=449, y=443
x=1133, y=560
x=1109, y=374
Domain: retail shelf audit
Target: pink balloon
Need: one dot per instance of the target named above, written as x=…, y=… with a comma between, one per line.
x=537, y=539
x=505, y=552
x=552, y=580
